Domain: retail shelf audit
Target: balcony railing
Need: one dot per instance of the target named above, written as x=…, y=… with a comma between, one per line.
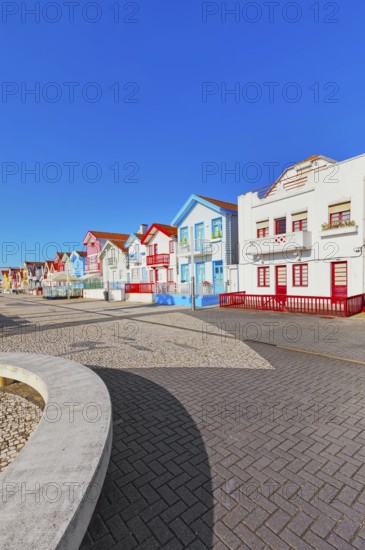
x=158, y=259
x=278, y=243
x=319, y=305
x=92, y=266
x=135, y=259
x=201, y=247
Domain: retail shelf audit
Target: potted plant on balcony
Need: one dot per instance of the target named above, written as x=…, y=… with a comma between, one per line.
x=336, y=225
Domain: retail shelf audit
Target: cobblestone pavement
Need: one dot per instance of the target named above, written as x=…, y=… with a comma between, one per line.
x=217, y=444
x=18, y=419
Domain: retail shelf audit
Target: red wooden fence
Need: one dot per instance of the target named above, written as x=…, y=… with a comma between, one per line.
x=343, y=307
x=140, y=288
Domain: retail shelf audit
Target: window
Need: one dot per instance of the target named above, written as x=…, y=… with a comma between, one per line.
x=340, y=213
x=184, y=273
x=199, y=236
x=150, y=249
x=170, y=275
x=300, y=275
x=151, y=276
x=171, y=247
x=216, y=228
x=280, y=226
x=263, y=276
x=299, y=222
x=262, y=229
x=184, y=235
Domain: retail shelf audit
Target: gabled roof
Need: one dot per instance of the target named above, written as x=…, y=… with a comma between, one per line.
x=132, y=237
x=49, y=264
x=214, y=204
x=106, y=235
x=168, y=230
x=221, y=204
x=62, y=254
x=118, y=244
x=299, y=172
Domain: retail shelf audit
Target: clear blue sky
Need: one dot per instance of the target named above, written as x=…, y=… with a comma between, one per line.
x=171, y=50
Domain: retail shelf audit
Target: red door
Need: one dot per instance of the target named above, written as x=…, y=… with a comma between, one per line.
x=339, y=280
x=281, y=280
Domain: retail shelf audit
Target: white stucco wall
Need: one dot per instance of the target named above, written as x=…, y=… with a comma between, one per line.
x=337, y=183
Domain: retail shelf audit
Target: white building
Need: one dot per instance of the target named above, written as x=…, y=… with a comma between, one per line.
x=160, y=241
x=207, y=237
x=115, y=262
x=137, y=253
x=305, y=235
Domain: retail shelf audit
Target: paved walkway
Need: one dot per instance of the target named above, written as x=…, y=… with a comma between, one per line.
x=216, y=444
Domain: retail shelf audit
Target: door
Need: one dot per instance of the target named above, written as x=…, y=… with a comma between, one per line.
x=281, y=280
x=339, y=280
x=199, y=236
x=218, y=279
x=200, y=276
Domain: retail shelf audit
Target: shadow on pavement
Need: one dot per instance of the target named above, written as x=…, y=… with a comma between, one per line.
x=158, y=489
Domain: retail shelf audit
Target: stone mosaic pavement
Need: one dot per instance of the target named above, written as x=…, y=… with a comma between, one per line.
x=218, y=443
x=18, y=419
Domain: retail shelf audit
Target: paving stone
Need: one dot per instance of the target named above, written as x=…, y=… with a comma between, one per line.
x=199, y=460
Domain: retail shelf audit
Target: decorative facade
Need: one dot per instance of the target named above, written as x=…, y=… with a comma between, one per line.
x=137, y=253
x=115, y=262
x=160, y=241
x=305, y=235
x=94, y=242
x=207, y=242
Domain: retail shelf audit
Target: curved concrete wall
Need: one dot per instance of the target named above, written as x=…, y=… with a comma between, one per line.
x=49, y=492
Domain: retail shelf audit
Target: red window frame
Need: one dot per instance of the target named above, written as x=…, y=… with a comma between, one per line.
x=171, y=247
x=263, y=276
x=300, y=225
x=170, y=275
x=263, y=232
x=337, y=217
x=300, y=270
x=278, y=222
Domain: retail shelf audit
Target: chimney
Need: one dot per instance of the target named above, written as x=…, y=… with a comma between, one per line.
x=142, y=228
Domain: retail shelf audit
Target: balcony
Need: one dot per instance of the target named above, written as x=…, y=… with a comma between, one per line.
x=201, y=247
x=158, y=259
x=135, y=259
x=286, y=242
x=92, y=266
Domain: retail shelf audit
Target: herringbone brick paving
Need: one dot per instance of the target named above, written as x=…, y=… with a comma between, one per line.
x=204, y=459
x=209, y=456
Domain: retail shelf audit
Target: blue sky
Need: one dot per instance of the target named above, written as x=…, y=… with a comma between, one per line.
x=299, y=80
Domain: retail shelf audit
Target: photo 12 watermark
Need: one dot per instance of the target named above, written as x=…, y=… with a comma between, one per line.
x=269, y=92
x=68, y=172
x=70, y=12
x=70, y=92
x=269, y=11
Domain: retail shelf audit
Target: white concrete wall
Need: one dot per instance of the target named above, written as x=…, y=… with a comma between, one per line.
x=337, y=183
x=140, y=298
x=93, y=293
